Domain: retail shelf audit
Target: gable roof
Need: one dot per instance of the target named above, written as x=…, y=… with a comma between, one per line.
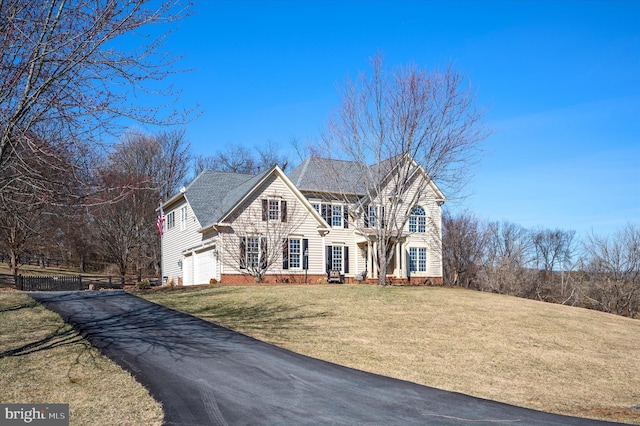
x=213, y=194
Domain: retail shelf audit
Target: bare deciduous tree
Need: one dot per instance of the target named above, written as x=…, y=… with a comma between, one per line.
x=613, y=267
x=238, y=159
x=464, y=241
x=152, y=167
x=65, y=80
x=507, y=260
x=258, y=241
x=400, y=126
x=554, y=250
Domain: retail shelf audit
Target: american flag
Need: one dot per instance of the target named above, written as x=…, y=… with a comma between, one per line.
x=160, y=223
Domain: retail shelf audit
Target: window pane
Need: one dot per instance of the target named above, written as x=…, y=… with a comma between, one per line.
x=294, y=253
x=253, y=252
x=337, y=258
x=336, y=212
x=413, y=258
x=274, y=209
x=372, y=216
x=422, y=259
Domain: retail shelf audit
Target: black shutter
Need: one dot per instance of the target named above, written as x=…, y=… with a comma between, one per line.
x=329, y=258
x=243, y=252
x=283, y=211
x=345, y=215
x=265, y=209
x=346, y=259
x=263, y=253
x=382, y=219
x=285, y=254
x=305, y=253
x=366, y=216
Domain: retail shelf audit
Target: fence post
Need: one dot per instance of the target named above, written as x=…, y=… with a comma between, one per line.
x=80, y=282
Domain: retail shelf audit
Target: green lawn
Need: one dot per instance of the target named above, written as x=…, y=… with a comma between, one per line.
x=533, y=354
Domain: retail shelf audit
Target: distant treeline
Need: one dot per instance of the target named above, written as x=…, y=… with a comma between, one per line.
x=551, y=265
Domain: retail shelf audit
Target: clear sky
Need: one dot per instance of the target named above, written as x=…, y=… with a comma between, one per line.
x=561, y=78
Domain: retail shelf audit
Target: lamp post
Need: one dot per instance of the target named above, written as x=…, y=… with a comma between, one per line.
x=305, y=262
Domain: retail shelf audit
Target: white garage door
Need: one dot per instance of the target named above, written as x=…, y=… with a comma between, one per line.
x=205, y=267
x=187, y=270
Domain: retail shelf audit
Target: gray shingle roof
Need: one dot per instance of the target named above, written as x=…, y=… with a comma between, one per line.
x=326, y=175
x=213, y=194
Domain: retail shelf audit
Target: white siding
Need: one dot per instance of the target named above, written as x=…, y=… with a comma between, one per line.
x=176, y=240
x=300, y=224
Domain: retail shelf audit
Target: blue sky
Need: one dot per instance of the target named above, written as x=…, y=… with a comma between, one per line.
x=561, y=78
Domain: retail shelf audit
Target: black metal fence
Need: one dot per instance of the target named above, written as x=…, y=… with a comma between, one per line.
x=67, y=283
x=43, y=283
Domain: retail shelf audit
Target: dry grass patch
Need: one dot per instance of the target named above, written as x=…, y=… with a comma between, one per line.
x=43, y=360
x=538, y=355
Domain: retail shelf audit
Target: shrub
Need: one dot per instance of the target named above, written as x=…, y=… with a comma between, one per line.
x=143, y=285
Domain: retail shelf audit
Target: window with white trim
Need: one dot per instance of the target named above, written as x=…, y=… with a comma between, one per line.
x=374, y=215
x=253, y=252
x=274, y=209
x=418, y=259
x=171, y=220
x=336, y=258
x=418, y=220
x=183, y=218
x=295, y=253
x=336, y=216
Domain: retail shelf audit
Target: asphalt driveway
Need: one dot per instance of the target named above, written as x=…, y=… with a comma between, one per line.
x=204, y=374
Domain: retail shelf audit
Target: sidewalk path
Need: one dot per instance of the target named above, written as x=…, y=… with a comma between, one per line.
x=204, y=374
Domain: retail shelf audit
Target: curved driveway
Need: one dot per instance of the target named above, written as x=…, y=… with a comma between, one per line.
x=204, y=374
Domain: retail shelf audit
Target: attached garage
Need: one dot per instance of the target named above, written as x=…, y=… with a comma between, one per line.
x=200, y=266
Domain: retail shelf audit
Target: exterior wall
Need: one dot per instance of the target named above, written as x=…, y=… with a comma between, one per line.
x=432, y=239
x=300, y=224
x=176, y=240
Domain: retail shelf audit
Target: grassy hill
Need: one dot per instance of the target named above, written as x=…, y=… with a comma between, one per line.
x=533, y=354
x=43, y=360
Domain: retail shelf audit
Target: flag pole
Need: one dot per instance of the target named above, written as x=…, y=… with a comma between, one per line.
x=161, y=231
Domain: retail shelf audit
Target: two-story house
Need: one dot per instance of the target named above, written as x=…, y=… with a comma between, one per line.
x=320, y=222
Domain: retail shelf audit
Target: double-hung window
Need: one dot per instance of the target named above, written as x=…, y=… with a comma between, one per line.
x=418, y=259
x=336, y=258
x=295, y=253
x=274, y=210
x=336, y=216
x=171, y=220
x=183, y=218
x=374, y=216
x=253, y=252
